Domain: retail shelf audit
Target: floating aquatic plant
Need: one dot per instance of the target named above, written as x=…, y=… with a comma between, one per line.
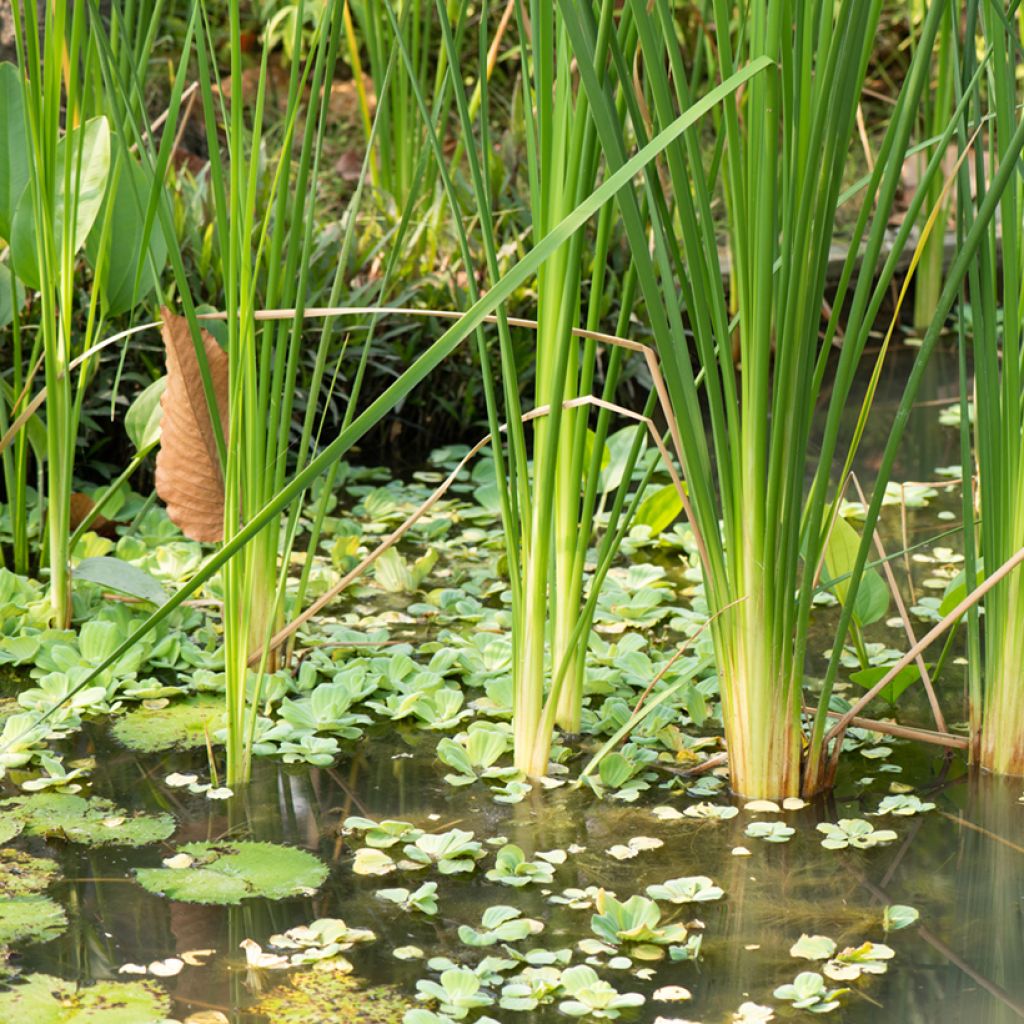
x=500, y=924
x=809, y=991
x=423, y=899
x=898, y=916
x=813, y=947
x=854, y=832
x=457, y=992
x=634, y=920
x=43, y=998
x=904, y=805
x=852, y=962
x=383, y=834
x=92, y=822
x=512, y=868
x=589, y=996
x=229, y=872
x=770, y=831
x=694, y=889
x=451, y=852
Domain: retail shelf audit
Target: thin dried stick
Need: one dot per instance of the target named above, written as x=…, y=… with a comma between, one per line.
x=926, y=641
x=908, y=628
x=321, y=602
x=906, y=732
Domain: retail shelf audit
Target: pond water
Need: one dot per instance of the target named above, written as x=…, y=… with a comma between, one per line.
x=958, y=864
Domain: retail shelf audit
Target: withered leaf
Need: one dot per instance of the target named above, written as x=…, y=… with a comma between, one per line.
x=188, y=470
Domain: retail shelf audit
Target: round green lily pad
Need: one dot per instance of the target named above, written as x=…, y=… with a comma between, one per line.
x=93, y=822
x=21, y=873
x=232, y=872
x=323, y=997
x=9, y=828
x=29, y=919
x=43, y=999
x=182, y=725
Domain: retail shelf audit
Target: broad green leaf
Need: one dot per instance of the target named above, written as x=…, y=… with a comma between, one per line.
x=83, y=204
x=142, y=421
x=126, y=205
x=13, y=145
x=618, y=447
x=121, y=577
x=872, y=600
x=12, y=295
x=891, y=692
x=658, y=510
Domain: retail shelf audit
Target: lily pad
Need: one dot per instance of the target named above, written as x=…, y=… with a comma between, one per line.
x=323, y=997
x=181, y=725
x=22, y=874
x=9, y=828
x=231, y=872
x=93, y=822
x=31, y=918
x=43, y=999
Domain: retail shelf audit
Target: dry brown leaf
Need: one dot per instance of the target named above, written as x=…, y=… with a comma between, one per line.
x=81, y=506
x=188, y=472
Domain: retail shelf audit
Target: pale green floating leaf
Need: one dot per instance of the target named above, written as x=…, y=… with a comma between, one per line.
x=813, y=947
x=898, y=916
x=230, y=872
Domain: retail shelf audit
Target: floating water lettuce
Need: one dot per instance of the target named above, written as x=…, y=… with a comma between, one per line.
x=456, y=992
x=383, y=834
x=852, y=962
x=854, y=832
x=898, y=916
x=695, y=889
x=904, y=805
x=325, y=997
x=589, y=996
x=182, y=725
x=43, y=999
x=229, y=872
x=424, y=899
x=500, y=924
x=512, y=868
x=635, y=920
x=810, y=992
x=770, y=831
x=92, y=822
x=452, y=852
x=813, y=947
